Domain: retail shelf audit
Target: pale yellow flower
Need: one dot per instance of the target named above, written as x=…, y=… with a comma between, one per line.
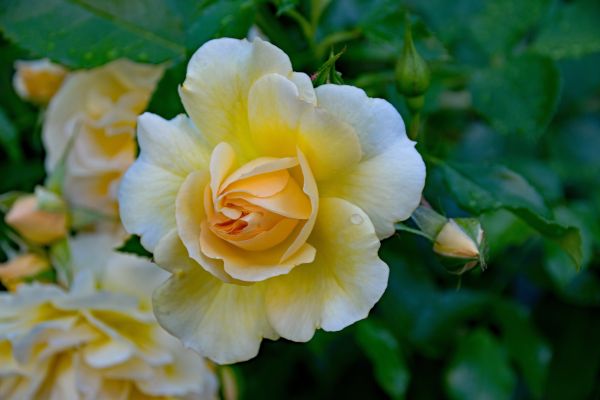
x=99, y=340
x=97, y=111
x=267, y=206
x=38, y=80
x=21, y=267
x=34, y=224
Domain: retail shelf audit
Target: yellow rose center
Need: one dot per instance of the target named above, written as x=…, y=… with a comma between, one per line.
x=259, y=205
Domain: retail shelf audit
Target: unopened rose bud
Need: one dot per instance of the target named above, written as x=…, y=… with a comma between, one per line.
x=38, y=80
x=457, y=239
x=461, y=239
x=17, y=270
x=34, y=224
x=412, y=72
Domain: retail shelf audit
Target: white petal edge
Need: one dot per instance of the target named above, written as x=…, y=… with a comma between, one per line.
x=376, y=122
x=387, y=187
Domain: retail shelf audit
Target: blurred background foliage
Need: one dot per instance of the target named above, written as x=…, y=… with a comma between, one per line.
x=510, y=133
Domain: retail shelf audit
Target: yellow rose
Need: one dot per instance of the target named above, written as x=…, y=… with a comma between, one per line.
x=267, y=206
x=97, y=111
x=99, y=340
x=38, y=80
x=35, y=225
x=16, y=270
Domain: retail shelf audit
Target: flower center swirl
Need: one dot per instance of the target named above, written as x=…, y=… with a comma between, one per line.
x=259, y=205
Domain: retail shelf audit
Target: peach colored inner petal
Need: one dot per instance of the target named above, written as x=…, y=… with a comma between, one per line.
x=259, y=166
x=291, y=202
x=259, y=215
x=263, y=185
x=310, y=189
x=222, y=161
x=267, y=239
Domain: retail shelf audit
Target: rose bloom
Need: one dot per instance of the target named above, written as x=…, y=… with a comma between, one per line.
x=91, y=121
x=267, y=204
x=99, y=340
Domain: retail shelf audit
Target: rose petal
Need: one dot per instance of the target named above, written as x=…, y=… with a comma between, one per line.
x=274, y=113
x=330, y=145
x=253, y=266
x=222, y=321
x=291, y=202
x=147, y=201
x=190, y=217
x=175, y=146
x=219, y=77
x=375, y=121
x=388, y=182
x=387, y=186
x=343, y=283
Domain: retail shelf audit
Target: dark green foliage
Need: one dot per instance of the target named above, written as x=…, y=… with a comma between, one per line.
x=133, y=246
x=510, y=133
x=87, y=33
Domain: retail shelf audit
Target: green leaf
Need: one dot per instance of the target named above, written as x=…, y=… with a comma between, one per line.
x=502, y=230
x=571, y=31
x=88, y=33
x=479, y=370
x=519, y=96
x=133, y=245
x=9, y=138
x=517, y=18
x=524, y=345
x=434, y=329
x=582, y=287
x=479, y=189
x=204, y=20
x=22, y=176
x=382, y=348
x=575, y=365
x=165, y=100
x=438, y=13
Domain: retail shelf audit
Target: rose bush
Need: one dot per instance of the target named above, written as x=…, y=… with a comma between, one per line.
x=267, y=204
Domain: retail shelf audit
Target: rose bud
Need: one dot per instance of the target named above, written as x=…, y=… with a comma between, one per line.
x=38, y=80
x=461, y=239
x=35, y=224
x=17, y=270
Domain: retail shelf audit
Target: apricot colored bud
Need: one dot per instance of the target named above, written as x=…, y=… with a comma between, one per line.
x=35, y=224
x=38, y=80
x=15, y=271
x=459, y=241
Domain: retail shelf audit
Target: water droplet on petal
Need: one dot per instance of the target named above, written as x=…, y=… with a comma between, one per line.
x=356, y=219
